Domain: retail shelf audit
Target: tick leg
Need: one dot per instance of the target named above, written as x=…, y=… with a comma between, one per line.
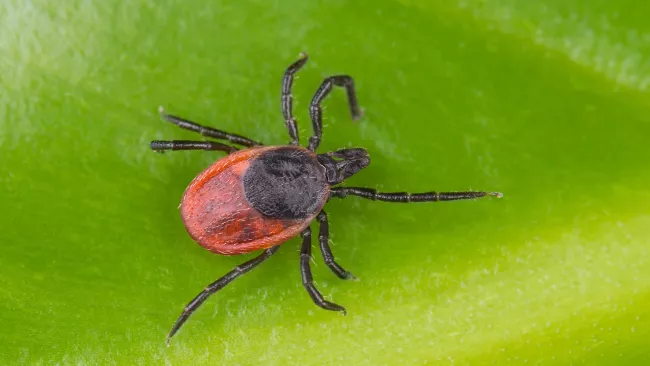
x=287, y=98
x=307, y=280
x=323, y=238
x=403, y=197
x=207, y=131
x=316, y=112
x=218, y=285
x=161, y=146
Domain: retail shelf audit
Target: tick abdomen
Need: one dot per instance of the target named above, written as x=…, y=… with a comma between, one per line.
x=254, y=198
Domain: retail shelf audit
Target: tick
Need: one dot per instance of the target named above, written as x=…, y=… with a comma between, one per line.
x=258, y=197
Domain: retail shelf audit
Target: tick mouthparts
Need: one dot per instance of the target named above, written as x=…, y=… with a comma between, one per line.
x=496, y=194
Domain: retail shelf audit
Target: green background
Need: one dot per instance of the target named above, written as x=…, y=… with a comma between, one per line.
x=547, y=102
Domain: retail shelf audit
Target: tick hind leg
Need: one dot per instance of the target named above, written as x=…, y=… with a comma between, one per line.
x=218, y=285
x=207, y=131
x=287, y=98
x=176, y=145
x=316, y=112
x=323, y=240
x=403, y=197
x=307, y=280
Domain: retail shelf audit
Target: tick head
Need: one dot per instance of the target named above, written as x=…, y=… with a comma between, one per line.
x=343, y=163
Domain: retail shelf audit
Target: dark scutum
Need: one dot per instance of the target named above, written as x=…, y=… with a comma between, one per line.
x=286, y=183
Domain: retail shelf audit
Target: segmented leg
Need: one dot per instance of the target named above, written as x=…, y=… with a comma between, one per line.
x=287, y=98
x=218, y=285
x=176, y=145
x=307, y=280
x=323, y=239
x=403, y=197
x=316, y=112
x=207, y=131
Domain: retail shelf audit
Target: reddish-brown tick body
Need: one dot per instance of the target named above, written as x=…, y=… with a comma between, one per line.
x=254, y=199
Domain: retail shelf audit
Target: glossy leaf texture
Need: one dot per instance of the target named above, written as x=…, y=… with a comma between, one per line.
x=545, y=101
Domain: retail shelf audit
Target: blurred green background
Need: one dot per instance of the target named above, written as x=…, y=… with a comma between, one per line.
x=545, y=101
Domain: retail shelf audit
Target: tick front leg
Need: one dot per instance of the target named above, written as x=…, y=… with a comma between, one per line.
x=307, y=280
x=218, y=285
x=403, y=197
x=176, y=145
x=287, y=98
x=316, y=112
x=323, y=239
x=207, y=131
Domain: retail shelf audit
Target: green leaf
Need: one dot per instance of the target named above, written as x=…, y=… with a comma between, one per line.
x=545, y=101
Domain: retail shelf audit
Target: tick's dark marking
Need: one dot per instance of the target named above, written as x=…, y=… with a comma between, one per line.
x=259, y=197
x=286, y=183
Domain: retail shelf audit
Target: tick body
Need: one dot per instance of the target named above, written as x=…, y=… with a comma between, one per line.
x=255, y=199
x=260, y=196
